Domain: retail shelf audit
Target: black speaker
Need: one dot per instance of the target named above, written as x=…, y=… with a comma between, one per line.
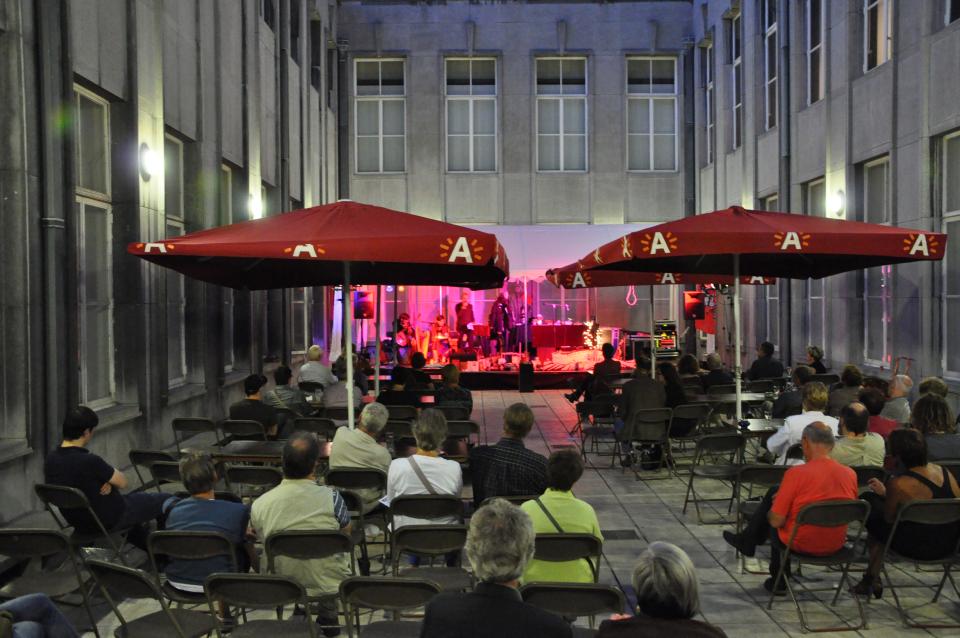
x=362, y=305
x=526, y=377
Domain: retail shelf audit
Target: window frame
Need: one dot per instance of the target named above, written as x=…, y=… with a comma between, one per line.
x=561, y=98
x=379, y=99
x=107, y=195
x=709, y=100
x=884, y=40
x=228, y=300
x=947, y=217
x=885, y=272
x=947, y=6
x=812, y=283
x=651, y=98
x=301, y=315
x=809, y=51
x=736, y=92
x=770, y=32
x=96, y=403
x=471, y=99
x=178, y=221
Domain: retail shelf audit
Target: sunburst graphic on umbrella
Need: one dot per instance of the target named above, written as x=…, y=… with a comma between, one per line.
x=597, y=257
x=625, y=246
x=455, y=245
x=791, y=239
x=666, y=242
x=914, y=243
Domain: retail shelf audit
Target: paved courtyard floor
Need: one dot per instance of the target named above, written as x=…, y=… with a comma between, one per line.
x=635, y=512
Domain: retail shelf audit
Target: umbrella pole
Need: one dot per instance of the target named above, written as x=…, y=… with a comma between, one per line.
x=348, y=340
x=526, y=319
x=736, y=333
x=653, y=341
x=396, y=354
x=376, y=363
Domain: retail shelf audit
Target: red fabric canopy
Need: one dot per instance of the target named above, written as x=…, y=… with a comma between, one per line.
x=769, y=245
x=309, y=247
x=571, y=277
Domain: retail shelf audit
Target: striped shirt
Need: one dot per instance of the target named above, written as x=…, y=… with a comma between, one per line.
x=506, y=469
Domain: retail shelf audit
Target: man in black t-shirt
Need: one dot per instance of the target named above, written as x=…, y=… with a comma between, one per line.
x=252, y=408
x=72, y=465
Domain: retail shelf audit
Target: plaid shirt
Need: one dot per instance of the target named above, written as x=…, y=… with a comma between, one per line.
x=506, y=469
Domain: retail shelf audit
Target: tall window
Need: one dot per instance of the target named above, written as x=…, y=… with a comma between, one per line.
x=471, y=114
x=877, y=33
x=736, y=95
x=300, y=311
x=814, y=204
x=380, y=116
x=877, y=282
x=94, y=216
x=815, y=26
x=651, y=114
x=950, y=175
x=709, y=115
x=176, y=297
x=226, y=217
x=770, y=62
x=952, y=11
x=771, y=294
x=561, y=114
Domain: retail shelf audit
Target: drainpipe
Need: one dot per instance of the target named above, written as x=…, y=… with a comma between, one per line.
x=283, y=124
x=691, y=165
x=783, y=188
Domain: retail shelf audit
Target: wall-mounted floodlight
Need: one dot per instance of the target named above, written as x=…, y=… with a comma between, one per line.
x=255, y=207
x=835, y=204
x=150, y=162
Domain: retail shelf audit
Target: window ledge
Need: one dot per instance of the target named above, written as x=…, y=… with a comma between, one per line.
x=234, y=376
x=12, y=449
x=117, y=414
x=185, y=392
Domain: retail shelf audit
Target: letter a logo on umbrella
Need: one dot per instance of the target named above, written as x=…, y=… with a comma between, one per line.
x=918, y=244
x=461, y=249
x=791, y=239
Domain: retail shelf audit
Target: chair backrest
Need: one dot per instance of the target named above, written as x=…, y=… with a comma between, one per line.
x=143, y=458
x=698, y=411
x=259, y=591
x=761, y=385
x=244, y=428
x=429, y=540
x=761, y=475
x=515, y=499
x=462, y=429
x=62, y=497
x=833, y=513
x=692, y=382
x=574, y=599
x=390, y=594
x=32, y=543
x=826, y=379
x=318, y=425
x=356, y=478
x=338, y=413
x=455, y=412
x=795, y=452
x=186, y=427
x=127, y=581
x=310, y=386
x=427, y=506
x=284, y=416
x=402, y=412
x=867, y=472
x=305, y=545
x=722, y=388
x=566, y=547
x=259, y=476
x=602, y=407
x=165, y=471
x=939, y=511
x=189, y=545
x=648, y=425
x=398, y=429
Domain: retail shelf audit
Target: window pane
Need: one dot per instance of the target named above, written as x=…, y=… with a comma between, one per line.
x=876, y=193
x=368, y=155
x=953, y=14
x=873, y=35
x=663, y=81
x=953, y=349
x=815, y=335
x=393, y=154
x=664, y=152
x=815, y=91
x=874, y=328
x=96, y=249
x=484, y=153
x=548, y=152
x=815, y=35
x=97, y=353
x=815, y=203
x=638, y=116
x=638, y=150
x=574, y=77
x=393, y=117
x=368, y=78
x=574, y=153
x=458, y=117
x=953, y=269
x=574, y=116
x=772, y=104
x=92, y=145
x=484, y=77
x=548, y=116
x=663, y=120
x=458, y=77
x=226, y=335
x=458, y=153
x=172, y=173
x=638, y=76
x=391, y=78
x=951, y=172
x=548, y=77
x=483, y=117
x=368, y=117
x=175, y=327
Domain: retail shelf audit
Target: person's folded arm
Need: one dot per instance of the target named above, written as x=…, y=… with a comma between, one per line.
x=118, y=480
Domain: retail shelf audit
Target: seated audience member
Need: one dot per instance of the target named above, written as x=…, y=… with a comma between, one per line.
x=451, y=393
x=716, y=375
x=898, y=406
x=500, y=543
x=253, y=408
x=689, y=367
x=335, y=395
x=358, y=449
x=425, y=472
x=676, y=395
x=558, y=511
x=856, y=446
x=72, y=465
x=668, y=597
x=765, y=366
x=286, y=396
x=603, y=372
x=815, y=359
x=298, y=503
x=362, y=369
x=397, y=393
x=880, y=384
x=202, y=513
x=313, y=371
x=791, y=432
x=933, y=385
x=819, y=479
x=35, y=616
x=641, y=393
x=790, y=402
x=918, y=479
x=417, y=379
x=847, y=392
x=508, y=468
x=873, y=400
x=933, y=418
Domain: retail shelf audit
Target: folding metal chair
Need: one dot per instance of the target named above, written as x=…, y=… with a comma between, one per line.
x=648, y=427
x=750, y=477
x=188, y=427
x=259, y=591
x=432, y=541
x=321, y=426
x=575, y=600
x=690, y=416
x=728, y=447
x=468, y=430
x=66, y=498
x=562, y=548
x=402, y=412
x=595, y=418
x=454, y=412
x=379, y=593
x=187, y=545
x=166, y=475
x=257, y=479
x=243, y=429
x=144, y=459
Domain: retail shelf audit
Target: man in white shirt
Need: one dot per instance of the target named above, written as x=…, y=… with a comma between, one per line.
x=315, y=372
x=815, y=396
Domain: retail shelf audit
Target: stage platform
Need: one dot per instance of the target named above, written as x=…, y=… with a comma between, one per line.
x=509, y=380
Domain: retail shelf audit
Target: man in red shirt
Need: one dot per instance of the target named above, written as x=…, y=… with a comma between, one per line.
x=874, y=401
x=819, y=479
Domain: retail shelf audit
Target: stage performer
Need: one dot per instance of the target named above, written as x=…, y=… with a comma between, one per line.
x=500, y=322
x=518, y=316
x=465, y=320
x=440, y=340
x=406, y=339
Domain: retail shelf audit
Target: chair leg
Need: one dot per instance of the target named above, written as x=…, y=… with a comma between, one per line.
x=686, y=499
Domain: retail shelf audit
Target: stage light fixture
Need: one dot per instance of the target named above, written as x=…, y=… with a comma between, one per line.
x=835, y=204
x=150, y=162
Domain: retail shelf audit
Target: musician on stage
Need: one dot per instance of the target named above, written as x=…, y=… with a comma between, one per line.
x=500, y=322
x=440, y=339
x=406, y=338
x=518, y=316
x=465, y=320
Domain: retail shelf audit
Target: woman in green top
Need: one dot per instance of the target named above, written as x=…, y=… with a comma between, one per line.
x=559, y=511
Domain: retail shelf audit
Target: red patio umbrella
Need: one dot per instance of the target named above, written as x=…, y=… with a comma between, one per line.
x=737, y=241
x=346, y=243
